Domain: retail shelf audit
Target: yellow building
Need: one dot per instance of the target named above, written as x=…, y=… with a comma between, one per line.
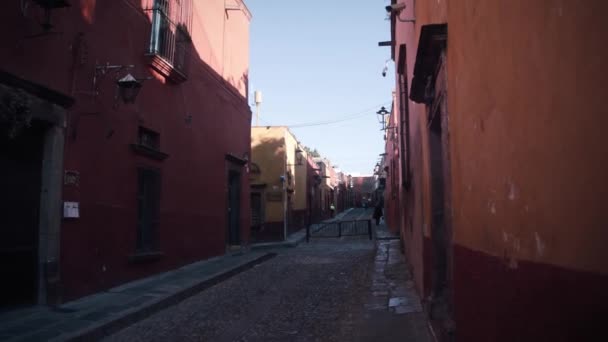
x=278, y=179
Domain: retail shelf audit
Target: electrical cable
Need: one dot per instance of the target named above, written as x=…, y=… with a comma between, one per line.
x=345, y=118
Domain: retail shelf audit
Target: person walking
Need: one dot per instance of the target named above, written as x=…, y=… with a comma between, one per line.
x=332, y=209
x=377, y=213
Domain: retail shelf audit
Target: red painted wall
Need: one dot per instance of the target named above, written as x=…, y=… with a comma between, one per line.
x=363, y=187
x=391, y=167
x=199, y=121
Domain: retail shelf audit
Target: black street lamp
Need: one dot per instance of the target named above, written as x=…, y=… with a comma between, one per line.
x=382, y=113
x=128, y=88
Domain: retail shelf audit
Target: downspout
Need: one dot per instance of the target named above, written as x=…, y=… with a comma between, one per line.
x=285, y=188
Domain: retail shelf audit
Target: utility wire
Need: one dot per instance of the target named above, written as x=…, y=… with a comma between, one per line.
x=331, y=122
x=345, y=118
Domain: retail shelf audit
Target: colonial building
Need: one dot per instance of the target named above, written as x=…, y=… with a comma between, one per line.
x=498, y=169
x=279, y=183
x=124, y=141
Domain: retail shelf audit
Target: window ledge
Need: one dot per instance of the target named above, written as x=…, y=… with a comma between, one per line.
x=160, y=64
x=148, y=152
x=140, y=257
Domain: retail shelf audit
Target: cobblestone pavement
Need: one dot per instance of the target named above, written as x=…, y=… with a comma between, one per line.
x=321, y=291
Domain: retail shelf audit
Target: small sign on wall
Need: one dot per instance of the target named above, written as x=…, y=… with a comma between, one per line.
x=274, y=196
x=71, y=210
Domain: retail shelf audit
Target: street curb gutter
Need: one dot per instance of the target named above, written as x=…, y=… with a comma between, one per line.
x=281, y=244
x=105, y=328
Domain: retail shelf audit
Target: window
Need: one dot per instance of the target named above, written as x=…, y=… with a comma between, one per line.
x=170, y=37
x=148, y=138
x=148, y=144
x=148, y=209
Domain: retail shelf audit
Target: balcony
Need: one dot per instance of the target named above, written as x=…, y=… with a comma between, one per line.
x=170, y=41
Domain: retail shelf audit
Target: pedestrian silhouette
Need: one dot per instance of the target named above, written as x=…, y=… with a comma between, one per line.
x=377, y=213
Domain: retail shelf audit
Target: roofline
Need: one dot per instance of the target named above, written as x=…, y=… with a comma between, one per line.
x=246, y=9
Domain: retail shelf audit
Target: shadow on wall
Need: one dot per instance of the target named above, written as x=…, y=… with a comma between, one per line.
x=267, y=147
x=193, y=66
x=202, y=78
x=267, y=186
x=267, y=154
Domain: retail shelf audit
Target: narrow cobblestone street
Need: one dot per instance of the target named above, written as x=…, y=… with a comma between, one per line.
x=328, y=290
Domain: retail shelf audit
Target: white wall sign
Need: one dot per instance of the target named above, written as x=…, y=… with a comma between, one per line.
x=70, y=210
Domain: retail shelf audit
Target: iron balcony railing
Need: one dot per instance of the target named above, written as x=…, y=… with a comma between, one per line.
x=170, y=33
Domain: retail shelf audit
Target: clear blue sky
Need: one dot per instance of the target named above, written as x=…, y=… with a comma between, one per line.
x=319, y=60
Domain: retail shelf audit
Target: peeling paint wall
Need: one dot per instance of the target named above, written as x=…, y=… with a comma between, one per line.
x=527, y=120
x=528, y=161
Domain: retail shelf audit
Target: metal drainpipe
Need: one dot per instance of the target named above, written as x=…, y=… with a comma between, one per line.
x=285, y=190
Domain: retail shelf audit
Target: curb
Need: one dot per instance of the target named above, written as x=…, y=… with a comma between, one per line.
x=280, y=244
x=105, y=328
x=299, y=240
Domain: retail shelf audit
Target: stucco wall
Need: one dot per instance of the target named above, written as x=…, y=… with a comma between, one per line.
x=220, y=38
x=95, y=248
x=268, y=152
x=298, y=170
x=537, y=121
x=527, y=162
x=414, y=213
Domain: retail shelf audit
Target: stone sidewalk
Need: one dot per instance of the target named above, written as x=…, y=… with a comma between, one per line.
x=393, y=308
x=98, y=315
x=382, y=232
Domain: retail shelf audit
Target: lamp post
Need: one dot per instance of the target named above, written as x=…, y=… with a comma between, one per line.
x=381, y=118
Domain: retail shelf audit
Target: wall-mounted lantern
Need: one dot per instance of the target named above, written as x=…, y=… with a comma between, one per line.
x=299, y=156
x=377, y=169
x=317, y=178
x=128, y=88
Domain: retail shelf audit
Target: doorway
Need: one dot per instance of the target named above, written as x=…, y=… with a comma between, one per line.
x=256, y=212
x=234, y=212
x=20, y=181
x=441, y=233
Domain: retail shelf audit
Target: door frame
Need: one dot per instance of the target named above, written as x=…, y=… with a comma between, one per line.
x=51, y=107
x=259, y=189
x=234, y=165
x=439, y=116
x=429, y=87
x=233, y=178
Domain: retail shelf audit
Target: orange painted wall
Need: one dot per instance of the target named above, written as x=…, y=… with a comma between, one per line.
x=527, y=124
x=528, y=165
x=415, y=205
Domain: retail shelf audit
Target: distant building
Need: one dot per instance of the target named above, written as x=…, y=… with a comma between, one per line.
x=279, y=183
x=363, y=191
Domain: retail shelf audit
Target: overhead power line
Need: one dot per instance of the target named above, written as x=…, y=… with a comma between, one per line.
x=334, y=121
x=344, y=118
